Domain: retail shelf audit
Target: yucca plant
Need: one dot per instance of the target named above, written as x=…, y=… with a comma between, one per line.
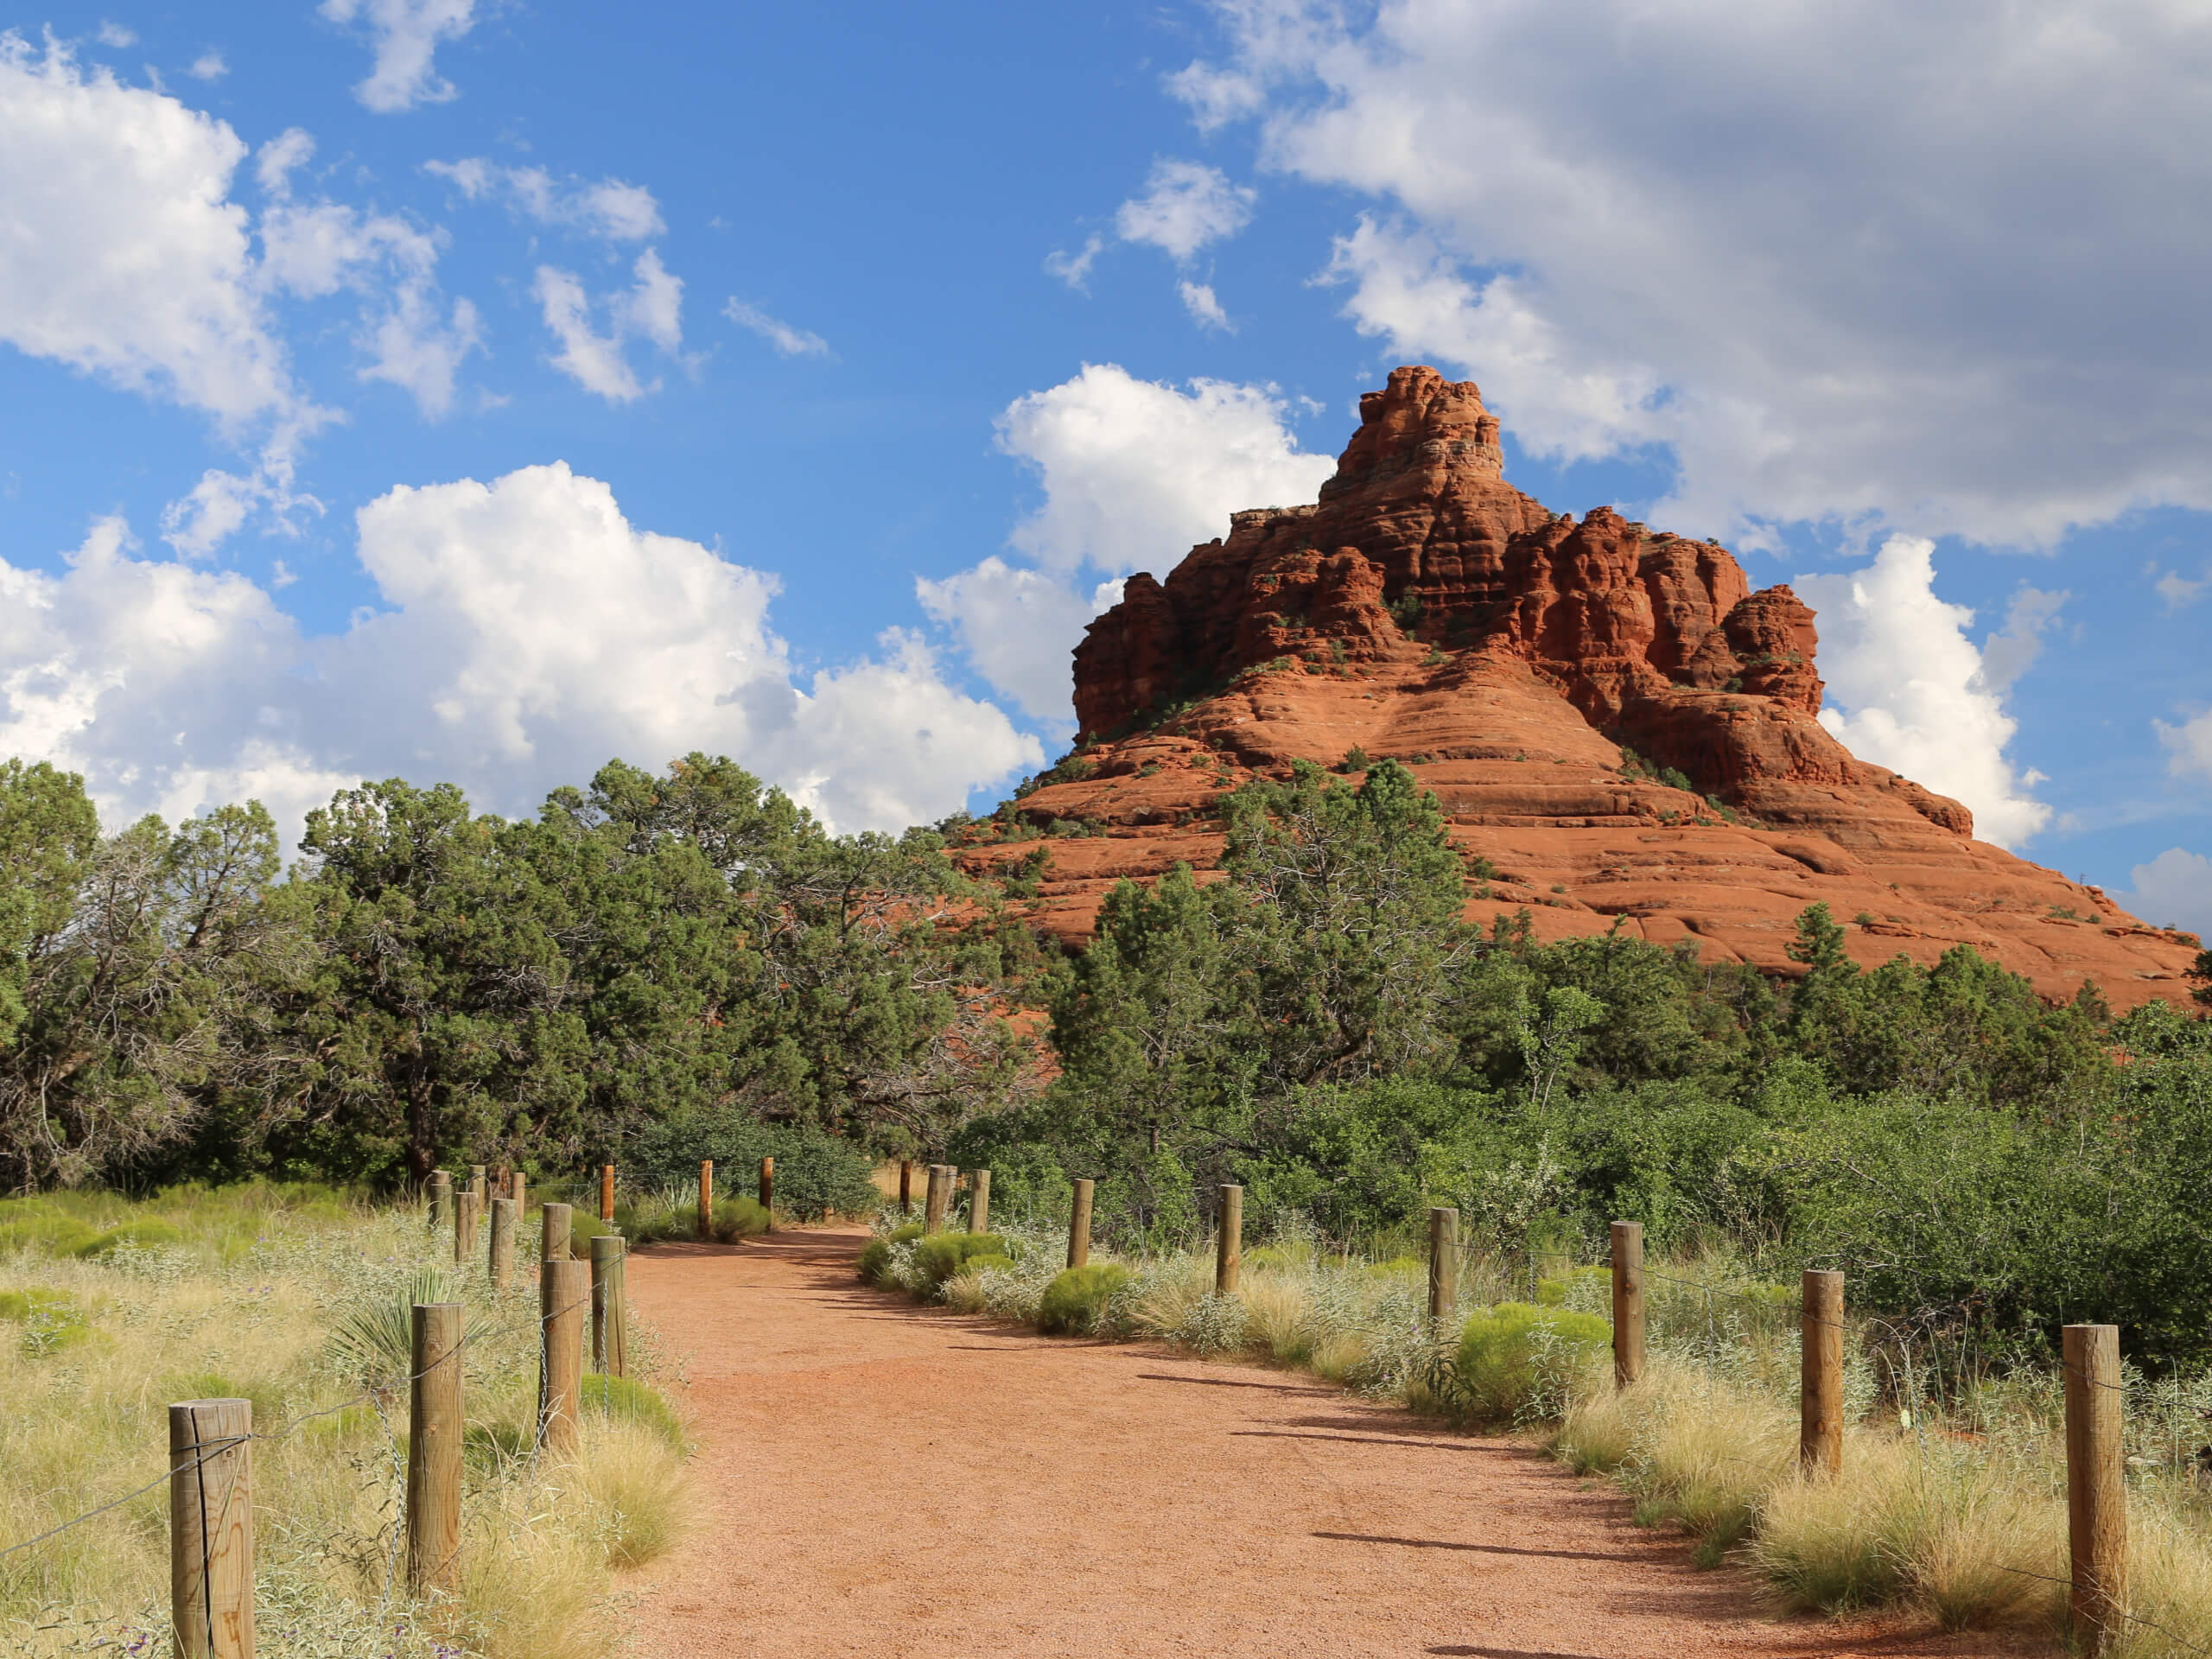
x=377, y=1341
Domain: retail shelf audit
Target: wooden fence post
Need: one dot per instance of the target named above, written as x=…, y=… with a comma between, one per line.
x=607, y=1192
x=1443, y=1262
x=464, y=1227
x=434, y=1429
x=979, y=1201
x=1228, y=1247
x=519, y=1191
x=1820, y=1434
x=441, y=1190
x=560, y=1224
x=1079, y=1225
x=480, y=1183
x=2096, y=1484
x=563, y=1293
x=1628, y=1302
x=905, y=1186
x=610, y=1327
x=768, y=1191
x=211, y=1528
x=706, y=1198
x=933, y=1201
x=502, y=1243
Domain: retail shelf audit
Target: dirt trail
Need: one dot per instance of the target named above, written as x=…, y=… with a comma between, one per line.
x=884, y=1478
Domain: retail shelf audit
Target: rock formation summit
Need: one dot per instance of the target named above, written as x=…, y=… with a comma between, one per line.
x=1609, y=715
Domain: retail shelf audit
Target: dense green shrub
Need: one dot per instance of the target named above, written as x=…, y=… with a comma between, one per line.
x=1077, y=1296
x=875, y=1254
x=1516, y=1362
x=51, y=1319
x=940, y=1255
x=55, y=1235
x=624, y=1397
x=142, y=1234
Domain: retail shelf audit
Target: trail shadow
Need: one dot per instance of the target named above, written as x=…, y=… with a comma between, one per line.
x=1479, y=1549
x=1353, y=1439
x=1230, y=1382
x=1512, y=1653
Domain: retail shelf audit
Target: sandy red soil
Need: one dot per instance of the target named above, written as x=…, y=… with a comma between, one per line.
x=884, y=1478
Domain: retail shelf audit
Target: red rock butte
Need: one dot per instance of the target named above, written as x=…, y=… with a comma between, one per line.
x=1553, y=682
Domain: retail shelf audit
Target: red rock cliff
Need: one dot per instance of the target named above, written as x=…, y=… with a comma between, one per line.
x=1424, y=608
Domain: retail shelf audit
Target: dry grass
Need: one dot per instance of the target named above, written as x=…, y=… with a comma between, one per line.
x=242, y=1305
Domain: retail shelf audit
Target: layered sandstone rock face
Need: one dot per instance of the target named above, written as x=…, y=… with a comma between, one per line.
x=1554, y=683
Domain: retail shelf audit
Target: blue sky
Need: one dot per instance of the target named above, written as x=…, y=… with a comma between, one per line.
x=474, y=390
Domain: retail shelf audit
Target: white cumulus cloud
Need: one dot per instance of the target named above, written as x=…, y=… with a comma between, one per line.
x=2188, y=746
x=208, y=66
x=1810, y=252
x=1206, y=311
x=650, y=309
x=1135, y=472
x=527, y=632
x=1916, y=694
x=2173, y=890
x=405, y=35
x=407, y=337
x=787, y=340
x=609, y=209
x=1185, y=206
x=121, y=254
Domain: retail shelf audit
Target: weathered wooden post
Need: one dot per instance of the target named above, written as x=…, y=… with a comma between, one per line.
x=560, y=1224
x=479, y=1183
x=464, y=1227
x=706, y=1198
x=1228, y=1247
x=502, y=1243
x=563, y=1293
x=768, y=1192
x=211, y=1528
x=2096, y=1484
x=607, y=1192
x=905, y=1186
x=979, y=1201
x=1079, y=1225
x=933, y=1201
x=1820, y=1433
x=609, y=1323
x=1443, y=1262
x=1628, y=1302
x=519, y=1191
x=439, y=1188
x=434, y=1432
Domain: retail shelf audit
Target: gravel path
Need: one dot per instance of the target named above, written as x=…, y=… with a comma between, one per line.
x=884, y=1478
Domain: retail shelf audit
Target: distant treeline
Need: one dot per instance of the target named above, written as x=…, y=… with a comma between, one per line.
x=657, y=965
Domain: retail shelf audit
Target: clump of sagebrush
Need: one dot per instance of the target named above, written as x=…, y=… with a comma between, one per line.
x=292, y=1299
